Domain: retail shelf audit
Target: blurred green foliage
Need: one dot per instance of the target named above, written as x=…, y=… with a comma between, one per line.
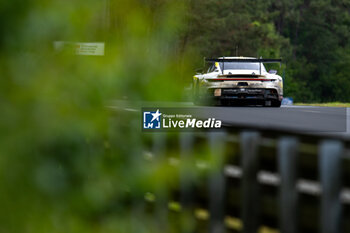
x=67, y=164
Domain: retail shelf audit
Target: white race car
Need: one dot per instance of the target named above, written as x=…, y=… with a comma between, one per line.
x=235, y=80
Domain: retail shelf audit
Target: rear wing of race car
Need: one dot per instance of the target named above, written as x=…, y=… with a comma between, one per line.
x=248, y=60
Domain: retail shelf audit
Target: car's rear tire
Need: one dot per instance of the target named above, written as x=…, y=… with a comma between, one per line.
x=272, y=103
x=276, y=104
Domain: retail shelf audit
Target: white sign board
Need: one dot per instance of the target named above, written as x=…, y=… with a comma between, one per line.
x=95, y=49
x=82, y=48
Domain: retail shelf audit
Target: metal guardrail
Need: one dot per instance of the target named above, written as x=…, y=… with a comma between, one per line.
x=329, y=195
x=249, y=181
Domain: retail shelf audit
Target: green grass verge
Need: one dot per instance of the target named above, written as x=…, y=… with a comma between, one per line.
x=332, y=104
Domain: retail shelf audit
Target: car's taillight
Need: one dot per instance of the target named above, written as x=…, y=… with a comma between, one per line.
x=217, y=92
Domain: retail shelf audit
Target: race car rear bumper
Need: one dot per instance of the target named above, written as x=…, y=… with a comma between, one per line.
x=255, y=96
x=243, y=93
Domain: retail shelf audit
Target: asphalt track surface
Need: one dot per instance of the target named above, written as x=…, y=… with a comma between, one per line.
x=289, y=118
x=299, y=119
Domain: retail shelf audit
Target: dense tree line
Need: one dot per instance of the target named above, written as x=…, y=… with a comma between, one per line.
x=311, y=36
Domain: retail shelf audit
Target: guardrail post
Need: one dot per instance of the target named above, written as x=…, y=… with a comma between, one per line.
x=250, y=186
x=217, y=182
x=330, y=153
x=186, y=182
x=287, y=165
x=161, y=205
